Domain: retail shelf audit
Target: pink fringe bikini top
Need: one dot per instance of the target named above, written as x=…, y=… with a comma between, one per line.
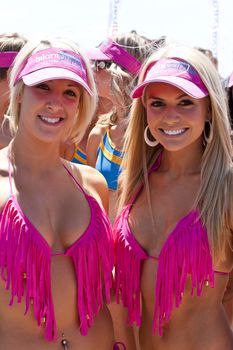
x=25, y=264
x=185, y=252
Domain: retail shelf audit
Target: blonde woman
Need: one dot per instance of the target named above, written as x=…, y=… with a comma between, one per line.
x=56, y=246
x=173, y=235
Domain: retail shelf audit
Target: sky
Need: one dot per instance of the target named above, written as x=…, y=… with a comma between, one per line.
x=203, y=23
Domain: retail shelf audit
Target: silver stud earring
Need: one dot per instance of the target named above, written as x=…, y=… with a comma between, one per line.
x=147, y=140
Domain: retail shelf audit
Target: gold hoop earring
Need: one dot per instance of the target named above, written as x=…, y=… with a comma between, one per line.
x=208, y=132
x=113, y=116
x=147, y=140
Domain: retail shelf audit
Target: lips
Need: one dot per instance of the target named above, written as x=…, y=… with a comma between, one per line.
x=51, y=120
x=174, y=132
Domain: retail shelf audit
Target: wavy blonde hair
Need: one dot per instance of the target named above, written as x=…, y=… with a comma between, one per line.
x=214, y=199
x=87, y=103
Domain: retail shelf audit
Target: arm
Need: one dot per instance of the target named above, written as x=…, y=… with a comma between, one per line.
x=228, y=299
x=93, y=142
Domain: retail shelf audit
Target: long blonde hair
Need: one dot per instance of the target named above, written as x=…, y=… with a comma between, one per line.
x=214, y=199
x=87, y=104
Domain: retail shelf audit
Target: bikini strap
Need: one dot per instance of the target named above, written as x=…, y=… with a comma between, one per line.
x=10, y=171
x=75, y=181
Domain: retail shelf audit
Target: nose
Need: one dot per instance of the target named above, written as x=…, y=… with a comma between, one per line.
x=171, y=116
x=54, y=103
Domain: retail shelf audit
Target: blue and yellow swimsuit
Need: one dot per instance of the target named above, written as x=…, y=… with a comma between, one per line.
x=79, y=156
x=109, y=160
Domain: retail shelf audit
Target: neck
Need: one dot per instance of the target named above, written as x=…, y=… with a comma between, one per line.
x=36, y=157
x=181, y=163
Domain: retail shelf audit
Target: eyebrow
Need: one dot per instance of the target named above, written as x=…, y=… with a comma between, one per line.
x=161, y=99
x=70, y=84
x=74, y=85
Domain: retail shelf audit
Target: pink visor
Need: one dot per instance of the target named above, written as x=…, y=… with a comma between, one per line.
x=7, y=58
x=109, y=50
x=174, y=71
x=53, y=63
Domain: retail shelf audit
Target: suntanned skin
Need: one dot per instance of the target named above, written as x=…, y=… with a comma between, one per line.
x=200, y=323
x=228, y=299
x=57, y=208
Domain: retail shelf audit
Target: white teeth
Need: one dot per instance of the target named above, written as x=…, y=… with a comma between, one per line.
x=173, y=132
x=50, y=120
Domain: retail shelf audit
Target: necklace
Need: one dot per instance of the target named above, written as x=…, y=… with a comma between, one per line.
x=64, y=342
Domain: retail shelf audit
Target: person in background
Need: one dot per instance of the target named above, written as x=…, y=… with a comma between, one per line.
x=10, y=45
x=116, y=62
x=209, y=54
x=56, y=247
x=173, y=234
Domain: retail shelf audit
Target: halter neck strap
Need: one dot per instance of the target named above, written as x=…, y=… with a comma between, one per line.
x=154, y=167
x=10, y=171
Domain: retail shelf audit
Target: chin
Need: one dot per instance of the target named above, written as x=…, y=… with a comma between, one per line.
x=48, y=139
x=174, y=148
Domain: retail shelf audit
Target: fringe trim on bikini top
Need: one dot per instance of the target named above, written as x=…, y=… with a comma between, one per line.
x=186, y=252
x=25, y=266
x=94, y=260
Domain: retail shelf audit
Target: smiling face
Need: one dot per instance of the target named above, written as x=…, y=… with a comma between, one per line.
x=48, y=111
x=175, y=119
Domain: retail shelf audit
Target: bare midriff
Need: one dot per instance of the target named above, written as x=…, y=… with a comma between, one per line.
x=200, y=323
x=19, y=331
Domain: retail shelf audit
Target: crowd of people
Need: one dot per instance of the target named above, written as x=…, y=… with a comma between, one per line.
x=116, y=180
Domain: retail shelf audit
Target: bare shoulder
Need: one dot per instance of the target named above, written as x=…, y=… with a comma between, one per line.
x=92, y=181
x=3, y=161
x=4, y=177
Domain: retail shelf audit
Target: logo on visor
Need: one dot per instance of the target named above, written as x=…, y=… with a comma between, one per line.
x=70, y=58
x=60, y=56
x=180, y=68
